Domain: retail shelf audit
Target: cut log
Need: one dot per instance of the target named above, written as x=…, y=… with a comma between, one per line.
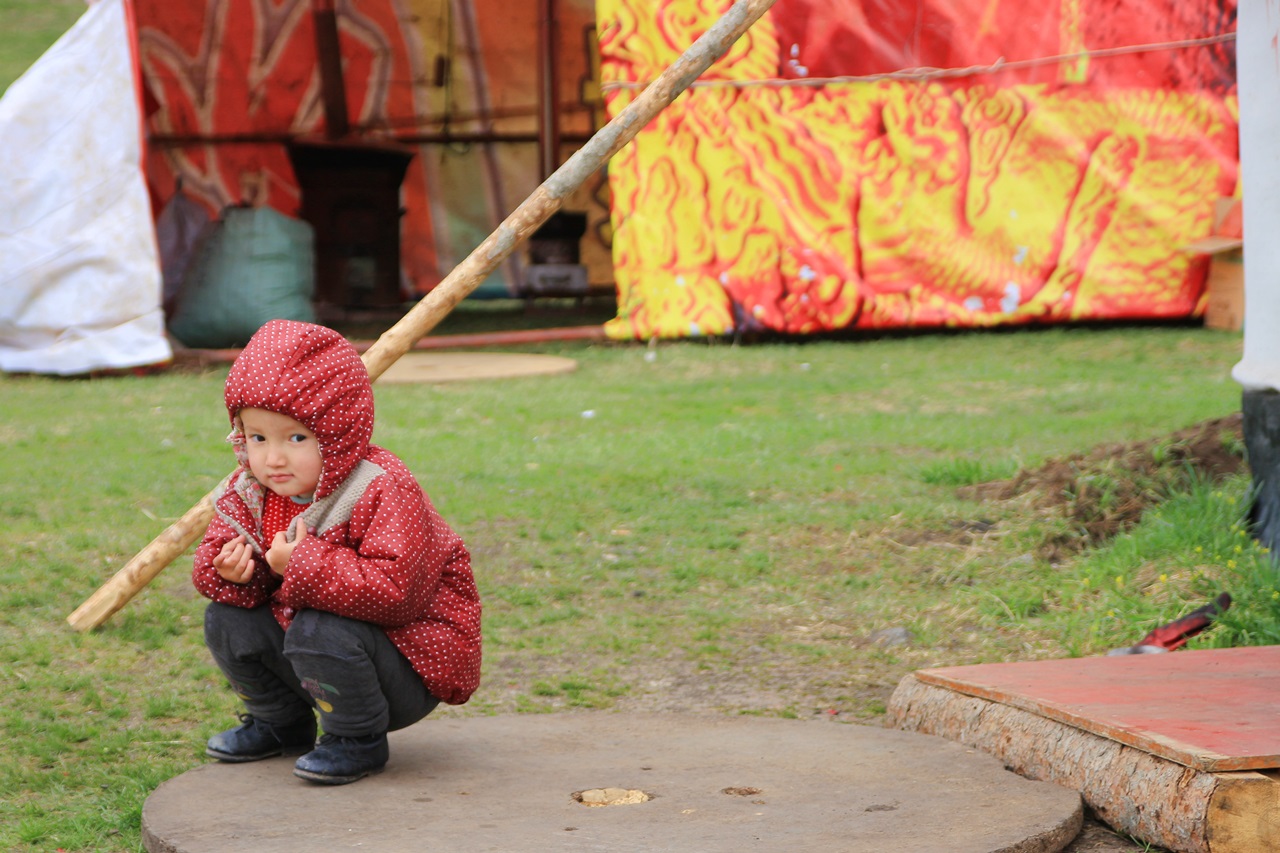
x=1153, y=799
x=1244, y=813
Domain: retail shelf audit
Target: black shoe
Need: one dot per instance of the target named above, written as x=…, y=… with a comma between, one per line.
x=339, y=760
x=256, y=739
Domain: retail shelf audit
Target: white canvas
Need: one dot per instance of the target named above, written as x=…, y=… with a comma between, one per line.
x=79, y=270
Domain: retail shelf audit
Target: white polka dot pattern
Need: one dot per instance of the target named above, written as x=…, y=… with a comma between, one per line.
x=395, y=563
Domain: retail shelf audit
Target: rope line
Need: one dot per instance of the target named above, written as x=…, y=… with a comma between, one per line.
x=926, y=73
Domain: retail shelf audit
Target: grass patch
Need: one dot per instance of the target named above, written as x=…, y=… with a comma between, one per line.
x=737, y=529
x=31, y=26
x=962, y=471
x=1194, y=546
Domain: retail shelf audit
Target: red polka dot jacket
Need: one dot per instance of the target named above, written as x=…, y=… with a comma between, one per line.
x=381, y=552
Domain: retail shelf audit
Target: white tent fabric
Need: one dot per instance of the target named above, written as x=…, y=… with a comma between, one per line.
x=79, y=270
x=1259, y=76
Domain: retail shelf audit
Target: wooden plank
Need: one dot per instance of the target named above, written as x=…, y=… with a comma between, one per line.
x=1212, y=710
x=1153, y=799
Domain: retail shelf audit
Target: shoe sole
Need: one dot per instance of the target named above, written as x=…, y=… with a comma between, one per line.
x=232, y=758
x=324, y=779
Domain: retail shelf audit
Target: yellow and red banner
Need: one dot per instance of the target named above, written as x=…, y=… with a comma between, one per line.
x=863, y=165
x=849, y=164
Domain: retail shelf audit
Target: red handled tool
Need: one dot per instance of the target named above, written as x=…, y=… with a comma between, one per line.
x=1174, y=635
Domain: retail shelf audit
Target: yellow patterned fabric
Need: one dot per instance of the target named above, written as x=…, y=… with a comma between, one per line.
x=1053, y=191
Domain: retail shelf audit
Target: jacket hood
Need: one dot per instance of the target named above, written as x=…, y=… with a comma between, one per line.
x=313, y=375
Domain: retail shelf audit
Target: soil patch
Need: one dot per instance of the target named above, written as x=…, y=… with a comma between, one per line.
x=1106, y=490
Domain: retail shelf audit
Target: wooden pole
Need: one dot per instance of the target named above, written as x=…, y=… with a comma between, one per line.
x=464, y=278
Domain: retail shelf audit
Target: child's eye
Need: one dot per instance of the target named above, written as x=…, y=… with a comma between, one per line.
x=297, y=438
x=257, y=438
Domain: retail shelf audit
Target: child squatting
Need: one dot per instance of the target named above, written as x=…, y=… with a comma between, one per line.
x=335, y=586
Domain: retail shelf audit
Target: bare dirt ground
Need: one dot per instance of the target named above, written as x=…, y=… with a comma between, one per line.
x=1097, y=837
x=1106, y=490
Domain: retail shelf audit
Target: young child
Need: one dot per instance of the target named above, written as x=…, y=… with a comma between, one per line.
x=335, y=585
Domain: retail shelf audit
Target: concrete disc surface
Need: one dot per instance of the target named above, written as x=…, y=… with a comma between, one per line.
x=716, y=784
x=427, y=367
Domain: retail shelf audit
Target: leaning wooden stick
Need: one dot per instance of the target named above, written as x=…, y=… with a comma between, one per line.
x=464, y=278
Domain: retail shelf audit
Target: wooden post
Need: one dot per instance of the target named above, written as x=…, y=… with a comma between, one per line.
x=464, y=278
x=333, y=89
x=548, y=89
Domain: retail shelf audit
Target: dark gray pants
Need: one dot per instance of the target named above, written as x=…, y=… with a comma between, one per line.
x=348, y=670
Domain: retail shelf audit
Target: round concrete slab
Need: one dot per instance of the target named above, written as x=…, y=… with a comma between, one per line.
x=428, y=367
x=715, y=784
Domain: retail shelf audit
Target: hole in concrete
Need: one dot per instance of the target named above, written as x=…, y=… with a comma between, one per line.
x=611, y=797
x=740, y=792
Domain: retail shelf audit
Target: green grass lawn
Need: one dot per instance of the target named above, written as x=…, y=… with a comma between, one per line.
x=716, y=528
x=29, y=27
x=740, y=519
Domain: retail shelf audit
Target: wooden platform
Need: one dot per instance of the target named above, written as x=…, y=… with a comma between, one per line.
x=1179, y=750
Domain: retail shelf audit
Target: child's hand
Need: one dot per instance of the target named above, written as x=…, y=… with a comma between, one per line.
x=234, y=562
x=280, y=551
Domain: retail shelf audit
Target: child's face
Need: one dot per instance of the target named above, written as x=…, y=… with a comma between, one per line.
x=283, y=454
